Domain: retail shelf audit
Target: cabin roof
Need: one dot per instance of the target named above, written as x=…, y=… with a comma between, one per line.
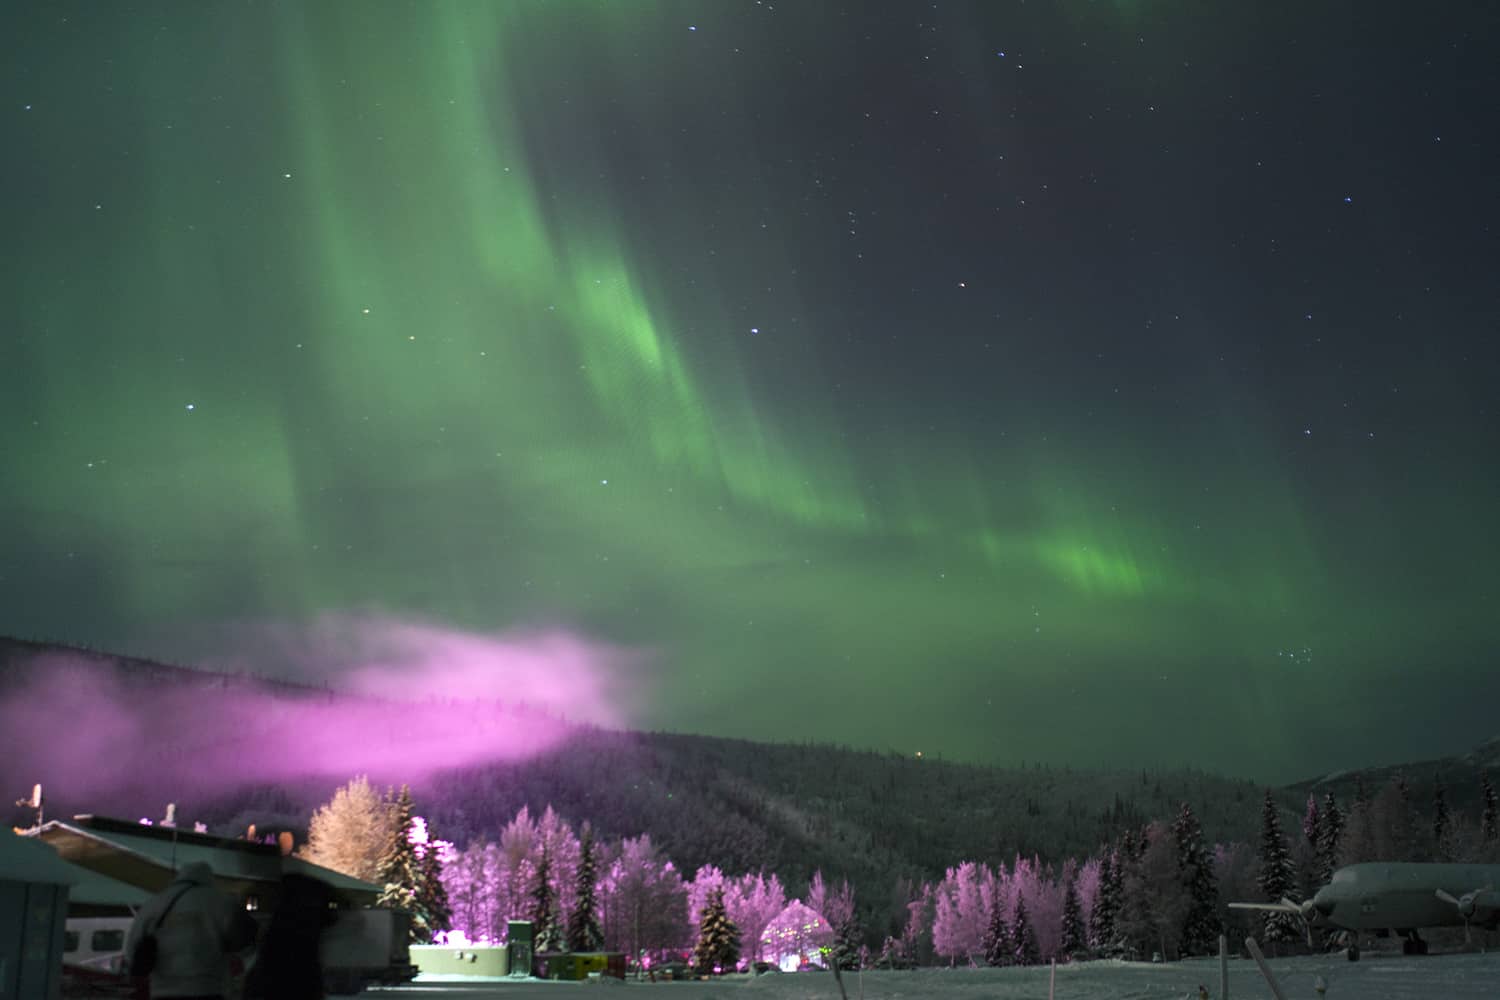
x=147, y=858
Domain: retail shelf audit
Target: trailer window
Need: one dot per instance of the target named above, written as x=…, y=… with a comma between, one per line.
x=107, y=941
x=70, y=941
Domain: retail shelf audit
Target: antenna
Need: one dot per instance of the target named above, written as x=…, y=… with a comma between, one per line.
x=35, y=802
x=171, y=821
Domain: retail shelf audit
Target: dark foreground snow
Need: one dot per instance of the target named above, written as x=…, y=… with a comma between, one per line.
x=1437, y=977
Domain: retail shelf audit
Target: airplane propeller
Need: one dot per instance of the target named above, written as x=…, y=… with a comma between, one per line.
x=1466, y=904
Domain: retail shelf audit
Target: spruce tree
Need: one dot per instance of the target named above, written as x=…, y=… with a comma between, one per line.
x=1402, y=828
x=431, y=897
x=1107, y=901
x=1200, y=928
x=1312, y=821
x=1072, y=922
x=1440, y=822
x=846, y=943
x=1328, y=843
x=583, y=923
x=544, y=931
x=1489, y=822
x=399, y=871
x=999, y=946
x=1276, y=875
x=1026, y=949
x=718, y=947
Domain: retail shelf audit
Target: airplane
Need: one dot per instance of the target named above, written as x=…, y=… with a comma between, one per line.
x=1400, y=896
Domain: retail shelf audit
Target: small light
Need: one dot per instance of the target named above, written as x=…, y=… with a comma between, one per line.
x=191, y=406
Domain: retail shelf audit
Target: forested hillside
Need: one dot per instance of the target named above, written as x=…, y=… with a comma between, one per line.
x=123, y=736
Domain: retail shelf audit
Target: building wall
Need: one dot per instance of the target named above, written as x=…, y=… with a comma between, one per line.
x=32, y=916
x=461, y=960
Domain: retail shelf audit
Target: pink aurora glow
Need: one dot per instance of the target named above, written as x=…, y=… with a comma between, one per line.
x=421, y=699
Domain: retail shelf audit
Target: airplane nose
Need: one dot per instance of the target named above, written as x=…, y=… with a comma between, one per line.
x=1323, y=900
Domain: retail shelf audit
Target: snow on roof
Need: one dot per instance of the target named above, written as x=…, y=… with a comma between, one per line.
x=147, y=857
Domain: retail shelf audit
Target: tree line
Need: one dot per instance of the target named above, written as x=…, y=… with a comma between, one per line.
x=1158, y=889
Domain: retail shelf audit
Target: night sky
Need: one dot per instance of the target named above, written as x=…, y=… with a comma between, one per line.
x=1090, y=383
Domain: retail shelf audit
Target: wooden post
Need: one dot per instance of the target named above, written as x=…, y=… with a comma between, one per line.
x=1265, y=970
x=1052, y=983
x=1223, y=968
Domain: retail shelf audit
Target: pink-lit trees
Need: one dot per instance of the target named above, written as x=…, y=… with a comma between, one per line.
x=755, y=902
x=751, y=901
x=962, y=912
x=643, y=902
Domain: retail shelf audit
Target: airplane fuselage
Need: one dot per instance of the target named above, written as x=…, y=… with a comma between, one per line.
x=1402, y=896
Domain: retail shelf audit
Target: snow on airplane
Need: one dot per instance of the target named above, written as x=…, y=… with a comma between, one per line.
x=1400, y=896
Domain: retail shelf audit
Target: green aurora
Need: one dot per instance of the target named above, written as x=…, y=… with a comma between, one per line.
x=512, y=315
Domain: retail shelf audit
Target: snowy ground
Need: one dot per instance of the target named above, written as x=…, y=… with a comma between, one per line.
x=1437, y=977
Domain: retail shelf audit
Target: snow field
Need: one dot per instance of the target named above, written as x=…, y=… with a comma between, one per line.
x=1436, y=977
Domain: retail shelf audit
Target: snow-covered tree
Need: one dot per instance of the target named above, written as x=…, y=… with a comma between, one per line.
x=643, y=901
x=835, y=905
x=1200, y=928
x=1442, y=827
x=1312, y=820
x=350, y=833
x=1073, y=939
x=755, y=903
x=545, y=934
x=1329, y=839
x=399, y=871
x=847, y=942
x=1235, y=869
x=1023, y=936
x=1489, y=821
x=583, y=922
x=430, y=897
x=1107, y=903
x=1154, y=901
x=1276, y=875
x=999, y=943
x=469, y=879
x=961, y=915
x=718, y=947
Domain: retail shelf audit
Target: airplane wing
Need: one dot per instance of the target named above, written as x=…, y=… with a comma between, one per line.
x=1283, y=906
